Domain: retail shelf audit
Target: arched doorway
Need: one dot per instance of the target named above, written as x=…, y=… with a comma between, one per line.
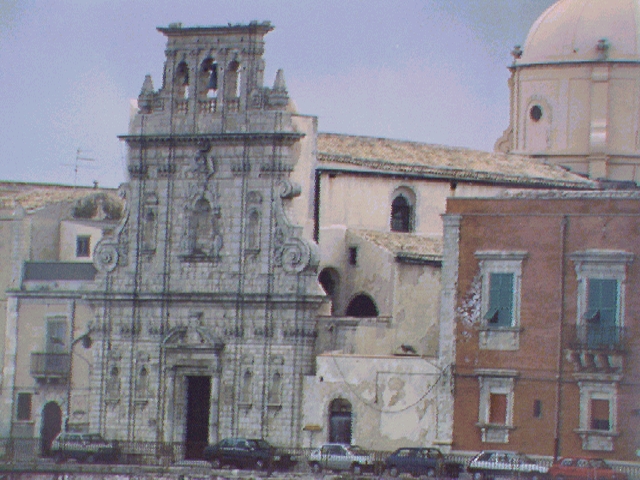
x=329, y=279
x=51, y=426
x=362, y=306
x=340, y=421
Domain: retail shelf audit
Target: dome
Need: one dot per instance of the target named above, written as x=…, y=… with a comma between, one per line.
x=570, y=31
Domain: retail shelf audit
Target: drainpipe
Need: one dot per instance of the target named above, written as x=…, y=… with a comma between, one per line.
x=563, y=246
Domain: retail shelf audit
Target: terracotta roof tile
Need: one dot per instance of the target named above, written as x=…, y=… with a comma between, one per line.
x=400, y=156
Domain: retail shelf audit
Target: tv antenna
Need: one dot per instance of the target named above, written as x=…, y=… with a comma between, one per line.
x=80, y=157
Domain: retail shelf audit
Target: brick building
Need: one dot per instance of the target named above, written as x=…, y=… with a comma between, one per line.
x=539, y=293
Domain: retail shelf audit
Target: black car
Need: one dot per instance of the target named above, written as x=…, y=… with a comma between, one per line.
x=84, y=447
x=421, y=462
x=248, y=453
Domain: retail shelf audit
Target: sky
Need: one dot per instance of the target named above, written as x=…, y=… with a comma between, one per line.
x=432, y=71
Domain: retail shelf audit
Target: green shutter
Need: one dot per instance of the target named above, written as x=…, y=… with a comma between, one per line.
x=501, y=299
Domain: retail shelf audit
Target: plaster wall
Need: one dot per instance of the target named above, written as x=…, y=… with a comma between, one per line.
x=393, y=399
x=69, y=232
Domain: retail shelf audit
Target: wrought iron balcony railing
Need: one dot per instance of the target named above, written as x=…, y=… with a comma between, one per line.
x=597, y=337
x=50, y=365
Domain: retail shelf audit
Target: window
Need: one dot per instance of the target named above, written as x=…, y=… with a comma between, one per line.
x=537, y=409
x=401, y=213
x=598, y=414
x=24, y=407
x=601, y=278
x=83, y=246
x=535, y=113
x=501, y=276
x=495, y=411
x=353, y=256
x=56, y=341
x=500, y=312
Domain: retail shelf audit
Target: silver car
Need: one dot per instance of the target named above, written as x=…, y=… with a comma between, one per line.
x=341, y=457
x=491, y=464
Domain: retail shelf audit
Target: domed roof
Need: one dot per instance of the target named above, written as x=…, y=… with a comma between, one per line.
x=570, y=30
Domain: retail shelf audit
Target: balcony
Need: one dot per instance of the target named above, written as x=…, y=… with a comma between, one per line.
x=50, y=366
x=597, y=348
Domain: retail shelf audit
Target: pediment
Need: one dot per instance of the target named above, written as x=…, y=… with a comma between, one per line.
x=192, y=338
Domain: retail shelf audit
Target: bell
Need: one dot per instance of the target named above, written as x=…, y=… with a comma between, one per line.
x=213, y=80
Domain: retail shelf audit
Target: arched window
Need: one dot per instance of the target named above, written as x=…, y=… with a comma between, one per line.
x=181, y=81
x=340, y=421
x=232, y=81
x=208, y=84
x=275, y=389
x=253, y=231
x=245, y=393
x=362, y=306
x=401, y=213
x=149, y=230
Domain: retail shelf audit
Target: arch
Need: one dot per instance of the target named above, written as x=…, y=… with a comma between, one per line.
x=329, y=279
x=402, y=210
x=181, y=80
x=113, y=384
x=51, y=426
x=362, y=305
x=340, y=421
x=232, y=81
x=245, y=393
x=208, y=78
x=253, y=230
x=275, y=389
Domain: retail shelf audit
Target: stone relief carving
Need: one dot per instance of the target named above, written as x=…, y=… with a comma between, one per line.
x=112, y=249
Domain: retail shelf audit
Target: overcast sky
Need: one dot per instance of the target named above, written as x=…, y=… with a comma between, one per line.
x=432, y=71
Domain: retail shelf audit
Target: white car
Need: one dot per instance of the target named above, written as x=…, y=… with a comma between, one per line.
x=341, y=457
x=493, y=464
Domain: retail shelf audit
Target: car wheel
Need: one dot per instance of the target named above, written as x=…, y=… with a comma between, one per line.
x=393, y=471
x=356, y=469
x=259, y=465
x=431, y=473
x=316, y=468
x=216, y=463
x=478, y=476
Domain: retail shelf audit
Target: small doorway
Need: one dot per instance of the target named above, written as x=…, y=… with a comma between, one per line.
x=51, y=426
x=198, y=408
x=340, y=421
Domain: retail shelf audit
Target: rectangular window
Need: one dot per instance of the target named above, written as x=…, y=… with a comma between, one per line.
x=498, y=409
x=537, y=408
x=599, y=414
x=602, y=312
x=83, y=246
x=24, y=406
x=56, y=341
x=353, y=255
x=500, y=309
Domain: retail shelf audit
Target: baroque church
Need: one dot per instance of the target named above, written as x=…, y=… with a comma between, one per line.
x=255, y=277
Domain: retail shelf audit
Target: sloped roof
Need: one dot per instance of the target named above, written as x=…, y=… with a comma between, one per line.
x=33, y=196
x=405, y=246
x=405, y=157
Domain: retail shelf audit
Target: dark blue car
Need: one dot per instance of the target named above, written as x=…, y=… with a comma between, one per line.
x=421, y=462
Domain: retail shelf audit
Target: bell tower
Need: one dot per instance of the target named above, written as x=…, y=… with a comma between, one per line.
x=209, y=289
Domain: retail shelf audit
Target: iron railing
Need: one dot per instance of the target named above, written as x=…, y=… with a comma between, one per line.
x=50, y=365
x=594, y=336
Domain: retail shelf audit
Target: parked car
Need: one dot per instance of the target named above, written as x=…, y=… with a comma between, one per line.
x=341, y=457
x=84, y=447
x=421, y=462
x=584, y=469
x=248, y=453
x=497, y=463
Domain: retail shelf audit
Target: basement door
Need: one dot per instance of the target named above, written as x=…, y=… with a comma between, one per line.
x=198, y=408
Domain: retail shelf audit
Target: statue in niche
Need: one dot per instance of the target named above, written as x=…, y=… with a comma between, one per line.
x=204, y=234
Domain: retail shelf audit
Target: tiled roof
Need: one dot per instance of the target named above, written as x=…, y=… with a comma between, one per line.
x=405, y=245
x=32, y=196
x=405, y=157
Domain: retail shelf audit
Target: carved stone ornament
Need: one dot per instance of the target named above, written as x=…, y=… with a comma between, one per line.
x=294, y=255
x=105, y=257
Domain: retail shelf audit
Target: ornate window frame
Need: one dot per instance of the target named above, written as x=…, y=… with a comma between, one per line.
x=596, y=389
x=500, y=261
x=495, y=381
